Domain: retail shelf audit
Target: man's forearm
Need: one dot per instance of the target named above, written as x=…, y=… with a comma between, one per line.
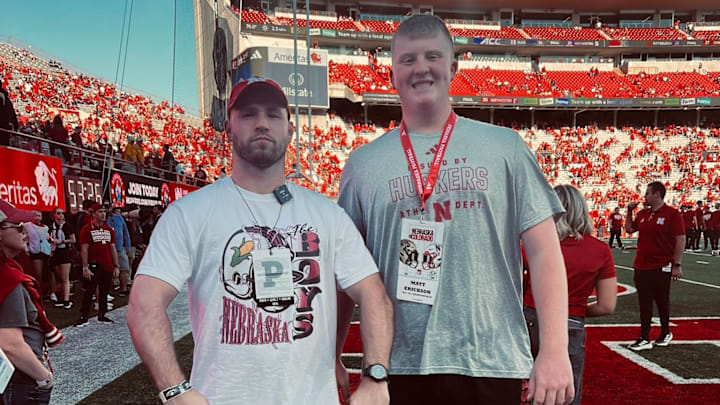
x=152, y=336
x=114, y=256
x=551, y=300
x=84, y=255
x=628, y=222
x=376, y=327
x=344, y=316
x=679, y=249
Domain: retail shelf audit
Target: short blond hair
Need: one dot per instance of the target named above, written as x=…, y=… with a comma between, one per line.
x=423, y=26
x=575, y=221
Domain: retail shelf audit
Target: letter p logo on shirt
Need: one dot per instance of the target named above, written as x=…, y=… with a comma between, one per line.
x=273, y=270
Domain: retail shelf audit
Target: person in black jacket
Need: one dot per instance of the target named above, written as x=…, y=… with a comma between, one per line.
x=8, y=118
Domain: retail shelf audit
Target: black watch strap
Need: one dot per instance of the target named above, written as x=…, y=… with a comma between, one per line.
x=377, y=372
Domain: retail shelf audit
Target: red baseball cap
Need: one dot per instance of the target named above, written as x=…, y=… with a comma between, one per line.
x=96, y=207
x=9, y=213
x=257, y=83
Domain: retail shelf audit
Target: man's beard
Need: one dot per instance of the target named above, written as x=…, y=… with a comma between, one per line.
x=260, y=157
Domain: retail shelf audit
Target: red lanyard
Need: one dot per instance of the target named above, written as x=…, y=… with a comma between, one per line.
x=424, y=192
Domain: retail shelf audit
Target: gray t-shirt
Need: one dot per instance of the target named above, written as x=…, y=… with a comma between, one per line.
x=490, y=189
x=18, y=311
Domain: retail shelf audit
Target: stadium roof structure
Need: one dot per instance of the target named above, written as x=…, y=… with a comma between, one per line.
x=607, y=5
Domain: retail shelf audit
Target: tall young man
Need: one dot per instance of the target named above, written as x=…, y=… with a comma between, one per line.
x=443, y=203
x=261, y=259
x=661, y=241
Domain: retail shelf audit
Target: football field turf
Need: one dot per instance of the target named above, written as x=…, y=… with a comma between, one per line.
x=686, y=372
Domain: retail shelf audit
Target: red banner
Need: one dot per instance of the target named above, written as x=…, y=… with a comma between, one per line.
x=31, y=181
x=178, y=191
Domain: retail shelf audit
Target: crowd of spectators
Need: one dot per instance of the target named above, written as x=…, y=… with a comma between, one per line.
x=104, y=119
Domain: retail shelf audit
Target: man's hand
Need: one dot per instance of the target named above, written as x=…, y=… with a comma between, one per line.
x=371, y=392
x=676, y=272
x=551, y=380
x=632, y=205
x=189, y=398
x=87, y=273
x=343, y=381
x=116, y=271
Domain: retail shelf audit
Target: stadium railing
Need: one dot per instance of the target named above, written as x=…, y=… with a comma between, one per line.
x=92, y=163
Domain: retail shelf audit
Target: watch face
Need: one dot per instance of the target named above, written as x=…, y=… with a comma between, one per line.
x=377, y=372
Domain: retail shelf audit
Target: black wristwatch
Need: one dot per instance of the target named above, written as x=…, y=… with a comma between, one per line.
x=377, y=372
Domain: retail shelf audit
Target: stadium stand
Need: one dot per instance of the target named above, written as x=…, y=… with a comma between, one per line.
x=384, y=27
x=566, y=34
x=504, y=32
x=39, y=91
x=593, y=84
x=508, y=82
x=254, y=16
x=360, y=78
x=707, y=35
x=686, y=84
x=340, y=25
x=645, y=34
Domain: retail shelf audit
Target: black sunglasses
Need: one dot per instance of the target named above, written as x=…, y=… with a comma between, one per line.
x=18, y=227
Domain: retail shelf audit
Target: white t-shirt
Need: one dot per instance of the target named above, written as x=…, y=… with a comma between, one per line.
x=207, y=238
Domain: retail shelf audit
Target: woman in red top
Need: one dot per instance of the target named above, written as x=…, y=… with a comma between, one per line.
x=589, y=265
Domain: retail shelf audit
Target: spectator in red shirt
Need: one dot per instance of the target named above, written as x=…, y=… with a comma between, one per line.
x=100, y=263
x=616, y=223
x=661, y=240
x=589, y=265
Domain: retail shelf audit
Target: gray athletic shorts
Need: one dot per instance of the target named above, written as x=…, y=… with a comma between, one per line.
x=123, y=260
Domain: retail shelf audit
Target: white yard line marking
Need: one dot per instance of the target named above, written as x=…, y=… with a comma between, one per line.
x=655, y=322
x=684, y=280
x=621, y=349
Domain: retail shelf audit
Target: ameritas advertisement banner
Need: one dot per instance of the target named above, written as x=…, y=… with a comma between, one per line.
x=31, y=181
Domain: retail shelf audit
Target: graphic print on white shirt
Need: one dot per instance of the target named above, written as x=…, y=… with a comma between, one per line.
x=249, y=321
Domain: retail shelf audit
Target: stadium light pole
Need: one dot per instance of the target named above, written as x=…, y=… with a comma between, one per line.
x=311, y=149
x=298, y=171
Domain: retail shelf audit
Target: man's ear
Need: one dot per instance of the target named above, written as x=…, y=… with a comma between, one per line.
x=453, y=69
x=392, y=78
x=291, y=129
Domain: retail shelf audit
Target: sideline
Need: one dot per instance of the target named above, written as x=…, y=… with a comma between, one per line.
x=684, y=280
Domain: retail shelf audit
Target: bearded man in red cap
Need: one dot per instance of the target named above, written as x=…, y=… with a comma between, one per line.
x=262, y=260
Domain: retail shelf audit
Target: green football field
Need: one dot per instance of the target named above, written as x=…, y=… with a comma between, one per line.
x=697, y=294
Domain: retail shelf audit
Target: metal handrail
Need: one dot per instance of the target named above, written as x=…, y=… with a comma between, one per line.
x=105, y=164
